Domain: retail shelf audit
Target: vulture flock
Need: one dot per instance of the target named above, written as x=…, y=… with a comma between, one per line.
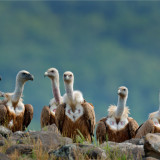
x=72, y=114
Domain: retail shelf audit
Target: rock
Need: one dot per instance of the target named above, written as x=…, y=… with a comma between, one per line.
x=65, y=152
x=20, y=148
x=49, y=139
x=52, y=128
x=18, y=136
x=1, y=137
x=136, y=141
x=91, y=151
x=75, y=151
x=129, y=149
x=5, y=132
x=4, y=157
x=2, y=143
x=150, y=158
x=152, y=145
x=2, y=140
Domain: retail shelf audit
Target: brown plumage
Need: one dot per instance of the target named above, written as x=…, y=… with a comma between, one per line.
x=28, y=115
x=47, y=118
x=20, y=122
x=3, y=112
x=152, y=125
x=13, y=113
x=85, y=124
x=147, y=127
x=104, y=132
x=48, y=112
x=117, y=126
x=75, y=114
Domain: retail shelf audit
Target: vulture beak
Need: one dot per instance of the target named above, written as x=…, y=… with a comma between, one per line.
x=66, y=77
x=45, y=74
x=118, y=92
x=31, y=77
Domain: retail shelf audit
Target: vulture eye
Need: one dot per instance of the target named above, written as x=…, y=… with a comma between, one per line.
x=24, y=74
x=70, y=75
x=124, y=89
x=52, y=71
x=65, y=75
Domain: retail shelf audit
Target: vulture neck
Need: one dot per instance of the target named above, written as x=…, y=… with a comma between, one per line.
x=69, y=92
x=56, y=90
x=17, y=94
x=120, y=106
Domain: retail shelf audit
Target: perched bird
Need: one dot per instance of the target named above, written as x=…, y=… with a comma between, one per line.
x=117, y=126
x=75, y=115
x=152, y=125
x=13, y=113
x=48, y=112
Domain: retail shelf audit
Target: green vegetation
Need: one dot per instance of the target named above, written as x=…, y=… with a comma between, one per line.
x=38, y=152
x=80, y=138
x=105, y=44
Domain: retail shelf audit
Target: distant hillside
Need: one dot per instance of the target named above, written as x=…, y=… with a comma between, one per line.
x=105, y=44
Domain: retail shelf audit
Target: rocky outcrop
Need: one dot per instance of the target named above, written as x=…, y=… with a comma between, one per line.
x=150, y=158
x=52, y=128
x=50, y=138
x=152, y=145
x=75, y=151
x=4, y=157
x=5, y=132
x=128, y=149
x=55, y=146
x=2, y=140
x=20, y=148
x=136, y=141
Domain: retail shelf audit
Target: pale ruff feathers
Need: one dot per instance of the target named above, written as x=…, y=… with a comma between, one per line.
x=111, y=120
x=155, y=117
x=19, y=108
x=74, y=115
x=53, y=106
x=77, y=101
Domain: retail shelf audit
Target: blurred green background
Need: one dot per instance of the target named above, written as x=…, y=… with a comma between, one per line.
x=105, y=45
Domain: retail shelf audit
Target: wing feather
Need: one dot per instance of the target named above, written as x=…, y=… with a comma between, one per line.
x=90, y=117
x=101, y=130
x=28, y=115
x=133, y=126
x=3, y=113
x=59, y=116
x=147, y=127
x=45, y=116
